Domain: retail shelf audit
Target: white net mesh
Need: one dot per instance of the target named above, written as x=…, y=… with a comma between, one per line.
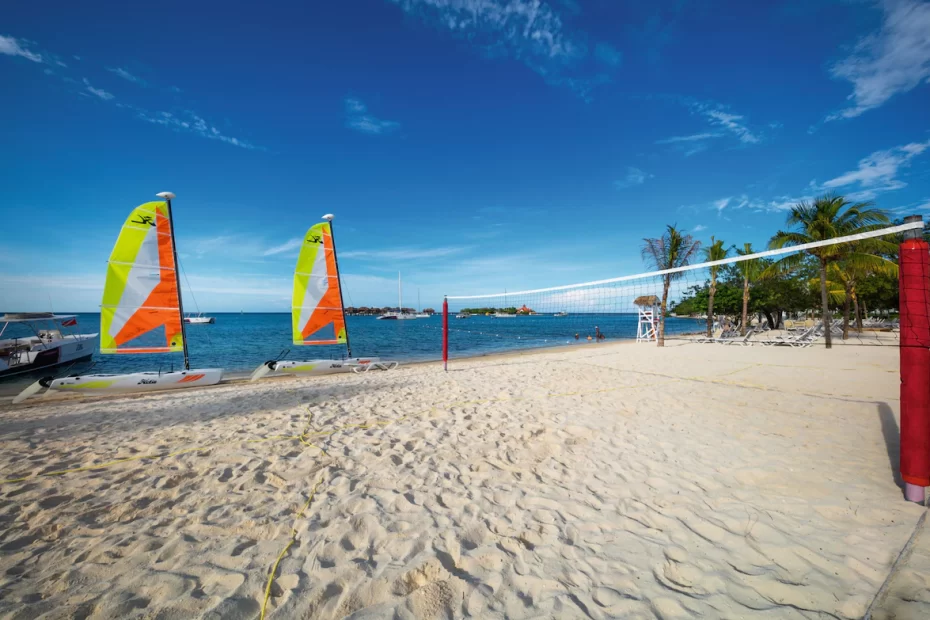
x=781, y=290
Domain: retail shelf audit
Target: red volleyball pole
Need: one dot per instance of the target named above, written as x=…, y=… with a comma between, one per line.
x=445, y=334
x=914, y=306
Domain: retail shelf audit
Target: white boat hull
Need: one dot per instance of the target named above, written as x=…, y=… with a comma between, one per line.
x=137, y=381
x=44, y=354
x=320, y=367
x=199, y=320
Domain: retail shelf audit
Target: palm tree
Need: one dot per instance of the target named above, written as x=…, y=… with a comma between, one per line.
x=670, y=251
x=863, y=260
x=751, y=270
x=716, y=251
x=828, y=217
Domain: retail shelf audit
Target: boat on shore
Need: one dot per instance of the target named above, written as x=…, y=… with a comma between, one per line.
x=49, y=345
x=141, y=306
x=318, y=316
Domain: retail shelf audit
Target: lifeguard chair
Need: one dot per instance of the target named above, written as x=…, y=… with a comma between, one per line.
x=648, y=328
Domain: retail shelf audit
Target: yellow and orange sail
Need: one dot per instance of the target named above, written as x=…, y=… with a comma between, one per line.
x=141, y=290
x=316, y=308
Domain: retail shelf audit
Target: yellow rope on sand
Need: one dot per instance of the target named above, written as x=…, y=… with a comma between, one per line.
x=274, y=568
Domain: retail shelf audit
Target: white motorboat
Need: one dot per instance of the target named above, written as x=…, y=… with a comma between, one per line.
x=561, y=314
x=44, y=342
x=462, y=315
x=199, y=319
x=504, y=315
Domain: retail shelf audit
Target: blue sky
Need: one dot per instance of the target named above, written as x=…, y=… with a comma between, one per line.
x=473, y=145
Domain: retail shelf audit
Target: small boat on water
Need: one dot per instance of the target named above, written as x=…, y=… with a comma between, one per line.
x=199, y=319
x=462, y=315
x=48, y=345
x=401, y=315
x=141, y=311
x=318, y=315
x=561, y=314
x=504, y=315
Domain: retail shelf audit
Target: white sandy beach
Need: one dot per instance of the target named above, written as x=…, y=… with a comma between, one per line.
x=598, y=481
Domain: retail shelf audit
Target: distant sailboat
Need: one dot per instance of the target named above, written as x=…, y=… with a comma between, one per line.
x=400, y=315
x=420, y=314
x=317, y=310
x=141, y=296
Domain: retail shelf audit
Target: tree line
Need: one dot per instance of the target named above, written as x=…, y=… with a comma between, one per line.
x=367, y=311
x=853, y=277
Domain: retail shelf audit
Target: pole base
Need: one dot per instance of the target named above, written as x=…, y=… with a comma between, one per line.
x=914, y=493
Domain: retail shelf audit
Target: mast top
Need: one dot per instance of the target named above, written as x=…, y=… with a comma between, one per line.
x=328, y=217
x=166, y=195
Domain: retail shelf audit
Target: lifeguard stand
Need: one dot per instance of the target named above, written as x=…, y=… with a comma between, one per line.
x=648, y=328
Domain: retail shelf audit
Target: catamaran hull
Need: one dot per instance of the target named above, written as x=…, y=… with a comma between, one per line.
x=137, y=381
x=321, y=367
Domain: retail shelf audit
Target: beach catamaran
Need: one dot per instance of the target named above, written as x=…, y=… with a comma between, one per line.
x=317, y=310
x=141, y=302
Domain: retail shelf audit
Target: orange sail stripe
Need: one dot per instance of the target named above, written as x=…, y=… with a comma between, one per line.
x=164, y=297
x=190, y=378
x=329, y=309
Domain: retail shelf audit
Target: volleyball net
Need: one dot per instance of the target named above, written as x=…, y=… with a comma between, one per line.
x=769, y=298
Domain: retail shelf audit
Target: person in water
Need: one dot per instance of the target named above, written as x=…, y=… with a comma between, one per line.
x=576, y=336
x=597, y=333
x=590, y=338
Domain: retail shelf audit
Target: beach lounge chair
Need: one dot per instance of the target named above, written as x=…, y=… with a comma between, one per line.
x=804, y=339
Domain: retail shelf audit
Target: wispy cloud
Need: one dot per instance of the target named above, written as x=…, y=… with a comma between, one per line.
x=126, y=75
x=722, y=204
x=732, y=123
x=634, y=177
x=358, y=118
x=404, y=254
x=697, y=137
x=889, y=62
x=287, y=246
x=879, y=171
x=608, y=54
x=187, y=121
x=699, y=228
x=99, y=92
x=11, y=46
x=531, y=31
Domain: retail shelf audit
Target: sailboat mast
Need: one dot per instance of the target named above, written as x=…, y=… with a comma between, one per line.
x=342, y=304
x=177, y=277
x=400, y=296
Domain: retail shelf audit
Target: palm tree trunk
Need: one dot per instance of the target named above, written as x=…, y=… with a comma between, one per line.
x=846, y=304
x=745, y=318
x=665, y=286
x=855, y=298
x=865, y=311
x=828, y=337
x=710, y=307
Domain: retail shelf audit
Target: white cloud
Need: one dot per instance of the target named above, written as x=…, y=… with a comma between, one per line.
x=608, y=55
x=634, y=176
x=526, y=29
x=699, y=228
x=99, y=92
x=287, y=246
x=894, y=60
x=126, y=75
x=403, y=254
x=530, y=31
x=731, y=122
x=12, y=46
x=721, y=204
x=878, y=172
x=357, y=118
x=697, y=137
x=188, y=121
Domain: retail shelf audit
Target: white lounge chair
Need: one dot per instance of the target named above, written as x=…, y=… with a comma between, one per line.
x=373, y=365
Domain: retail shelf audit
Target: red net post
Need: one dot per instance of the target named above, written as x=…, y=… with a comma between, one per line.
x=445, y=334
x=914, y=281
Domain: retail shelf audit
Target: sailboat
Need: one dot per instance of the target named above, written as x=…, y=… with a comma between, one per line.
x=317, y=310
x=141, y=304
x=400, y=315
x=420, y=314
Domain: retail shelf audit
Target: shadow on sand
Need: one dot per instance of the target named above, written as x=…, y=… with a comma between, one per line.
x=892, y=435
